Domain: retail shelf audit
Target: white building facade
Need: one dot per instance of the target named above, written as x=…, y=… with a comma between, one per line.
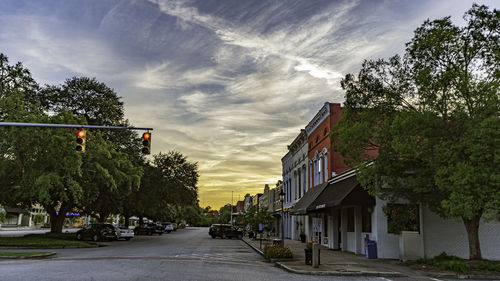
x=287, y=168
x=298, y=150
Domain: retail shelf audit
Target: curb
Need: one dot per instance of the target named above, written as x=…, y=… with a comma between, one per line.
x=462, y=277
x=328, y=273
x=51, y=247
x=255, y=249
x=341, y=273
x=41, y=256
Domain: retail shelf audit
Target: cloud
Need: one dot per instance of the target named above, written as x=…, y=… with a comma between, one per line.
x=227, y=83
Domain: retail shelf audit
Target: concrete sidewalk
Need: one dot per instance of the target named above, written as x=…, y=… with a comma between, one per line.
x=333, y=262
x=15, y=232
x=338, y=263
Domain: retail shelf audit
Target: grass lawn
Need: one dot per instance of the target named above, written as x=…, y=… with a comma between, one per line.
x=18, y=254
x=43, y=240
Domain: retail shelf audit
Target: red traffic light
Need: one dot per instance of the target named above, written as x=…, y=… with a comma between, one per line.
x=80, y=133
x=80, y=141
x=146, y=143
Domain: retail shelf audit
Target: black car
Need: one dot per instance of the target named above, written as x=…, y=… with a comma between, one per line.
x=97, y=232
x=224, y=231
x=149, y=229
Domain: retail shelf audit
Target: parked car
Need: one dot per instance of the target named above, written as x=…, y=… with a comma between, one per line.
x=148, y=228
x=224, y=231
x=167, y=227
x=124, y=232
x=97, y=232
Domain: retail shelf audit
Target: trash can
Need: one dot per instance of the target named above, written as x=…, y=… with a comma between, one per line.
x=371, y=249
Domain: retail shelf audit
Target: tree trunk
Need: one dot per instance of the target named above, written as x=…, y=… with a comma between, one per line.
x=56, y=221
x=102, y=218
x=472, y=227
x=127, y=223
x=57, y=218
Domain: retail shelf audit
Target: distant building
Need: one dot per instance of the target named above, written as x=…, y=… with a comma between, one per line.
x=247, y=202
x=240, y=207
x=256, y=201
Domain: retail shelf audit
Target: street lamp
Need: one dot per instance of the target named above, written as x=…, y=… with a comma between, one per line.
x=282, y=198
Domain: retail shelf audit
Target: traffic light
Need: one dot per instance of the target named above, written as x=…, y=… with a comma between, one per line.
x=146, y=143
x=80, y=141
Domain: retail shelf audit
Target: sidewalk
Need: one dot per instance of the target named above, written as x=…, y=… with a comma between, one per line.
x=333, y=262
x=15, y=232
x=338, y=263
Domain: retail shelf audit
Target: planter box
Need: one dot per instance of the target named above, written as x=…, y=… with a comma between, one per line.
x=309, y=256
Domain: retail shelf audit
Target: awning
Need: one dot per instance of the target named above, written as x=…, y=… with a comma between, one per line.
x=15, y=210
x=345, y=192
x=300, y=207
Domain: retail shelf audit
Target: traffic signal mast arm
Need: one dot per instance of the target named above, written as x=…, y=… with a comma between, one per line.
x=72, y=126
x=81, y=134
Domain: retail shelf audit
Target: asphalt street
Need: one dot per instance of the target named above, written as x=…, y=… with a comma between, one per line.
x=187, y=254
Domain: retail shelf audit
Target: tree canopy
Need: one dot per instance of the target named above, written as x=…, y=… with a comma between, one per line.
x=40, y=165
x=433, y=115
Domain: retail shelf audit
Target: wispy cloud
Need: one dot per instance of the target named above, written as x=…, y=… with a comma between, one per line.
x=227, y=83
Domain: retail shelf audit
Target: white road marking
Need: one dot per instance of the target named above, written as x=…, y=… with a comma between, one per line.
x=435, y=279
x=386, y=279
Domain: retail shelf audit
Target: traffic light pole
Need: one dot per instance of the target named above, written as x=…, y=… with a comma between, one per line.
x=72, y=126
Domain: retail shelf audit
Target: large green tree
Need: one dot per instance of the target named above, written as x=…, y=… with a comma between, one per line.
x=169, y=183
x=112, y=164
x=433, y=115
x=108, y=175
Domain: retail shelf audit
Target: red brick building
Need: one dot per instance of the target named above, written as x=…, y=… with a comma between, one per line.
x=324, y=163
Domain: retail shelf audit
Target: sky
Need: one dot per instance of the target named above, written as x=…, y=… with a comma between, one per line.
x=229, y=84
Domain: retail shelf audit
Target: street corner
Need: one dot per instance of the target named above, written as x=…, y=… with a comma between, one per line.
x=26, y=255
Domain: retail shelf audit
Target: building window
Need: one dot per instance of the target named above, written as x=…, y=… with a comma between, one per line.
x=402, y=217
x=350, y=220
x=366, y=218
x=310, y=175
x=299, y=182
x=317, y=139
x=325, y=223
x=326, y=166
x=325, y=132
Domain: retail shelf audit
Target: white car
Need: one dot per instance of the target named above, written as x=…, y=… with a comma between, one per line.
x=169, y=228
x=124, y=233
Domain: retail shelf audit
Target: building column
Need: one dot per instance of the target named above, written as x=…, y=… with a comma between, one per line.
x=358, y=226
x=19, y=219
x=307, y=224
x=343, y=226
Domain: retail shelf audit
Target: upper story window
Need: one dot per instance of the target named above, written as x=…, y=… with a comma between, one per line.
x=325, y=132
x=317, y=139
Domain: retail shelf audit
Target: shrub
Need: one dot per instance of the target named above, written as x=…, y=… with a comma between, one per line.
x=3, y=214
x=487, y=265
x=447, y=262
x=38, y=218
x=277, y=252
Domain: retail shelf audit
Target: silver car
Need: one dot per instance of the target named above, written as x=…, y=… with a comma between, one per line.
x=123, y=233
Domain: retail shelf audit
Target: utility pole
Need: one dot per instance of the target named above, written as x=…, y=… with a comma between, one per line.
x=232, y=207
